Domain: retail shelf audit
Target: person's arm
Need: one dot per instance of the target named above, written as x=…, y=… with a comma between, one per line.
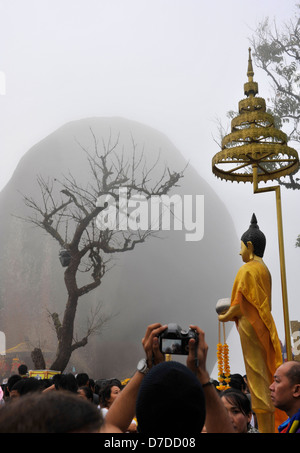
x=49, y=389
x=217, y=420
x=122, y=411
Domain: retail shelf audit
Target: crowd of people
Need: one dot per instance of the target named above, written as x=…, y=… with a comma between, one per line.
x=151, y=402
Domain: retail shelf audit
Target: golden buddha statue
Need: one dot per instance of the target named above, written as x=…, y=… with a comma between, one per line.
x=250, y=308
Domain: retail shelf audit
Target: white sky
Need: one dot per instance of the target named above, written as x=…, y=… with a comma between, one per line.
x=175, y=65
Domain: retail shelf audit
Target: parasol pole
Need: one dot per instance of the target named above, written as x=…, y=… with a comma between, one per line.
x=281, y=257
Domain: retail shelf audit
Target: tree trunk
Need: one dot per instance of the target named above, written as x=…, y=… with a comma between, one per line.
x=65, y=337
x=65, y=332
x=63, y=355
x=38, y=359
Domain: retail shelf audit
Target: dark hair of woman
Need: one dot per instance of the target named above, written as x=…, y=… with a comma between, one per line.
x=238, y=399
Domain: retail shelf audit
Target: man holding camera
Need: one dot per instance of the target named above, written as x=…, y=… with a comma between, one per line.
x=160, y=392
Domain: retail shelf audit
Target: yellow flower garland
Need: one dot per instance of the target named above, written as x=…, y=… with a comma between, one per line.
x=223, y=362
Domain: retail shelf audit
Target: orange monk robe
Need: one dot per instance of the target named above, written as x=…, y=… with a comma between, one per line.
x=252, y=292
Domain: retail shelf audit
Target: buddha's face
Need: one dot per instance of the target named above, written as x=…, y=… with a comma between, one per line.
x=246, y=252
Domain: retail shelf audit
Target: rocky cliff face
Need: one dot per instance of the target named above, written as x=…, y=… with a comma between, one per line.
x=166, y=279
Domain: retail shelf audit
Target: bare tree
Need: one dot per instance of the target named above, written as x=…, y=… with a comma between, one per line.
x=277, y=53
x=68, y=212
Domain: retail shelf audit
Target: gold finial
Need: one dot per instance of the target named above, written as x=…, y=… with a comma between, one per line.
x=250, y=87
x=250, y=72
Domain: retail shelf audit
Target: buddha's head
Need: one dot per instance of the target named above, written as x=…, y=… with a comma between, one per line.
x=254, y=240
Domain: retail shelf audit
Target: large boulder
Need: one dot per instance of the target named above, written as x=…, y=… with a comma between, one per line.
x=166, y=279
